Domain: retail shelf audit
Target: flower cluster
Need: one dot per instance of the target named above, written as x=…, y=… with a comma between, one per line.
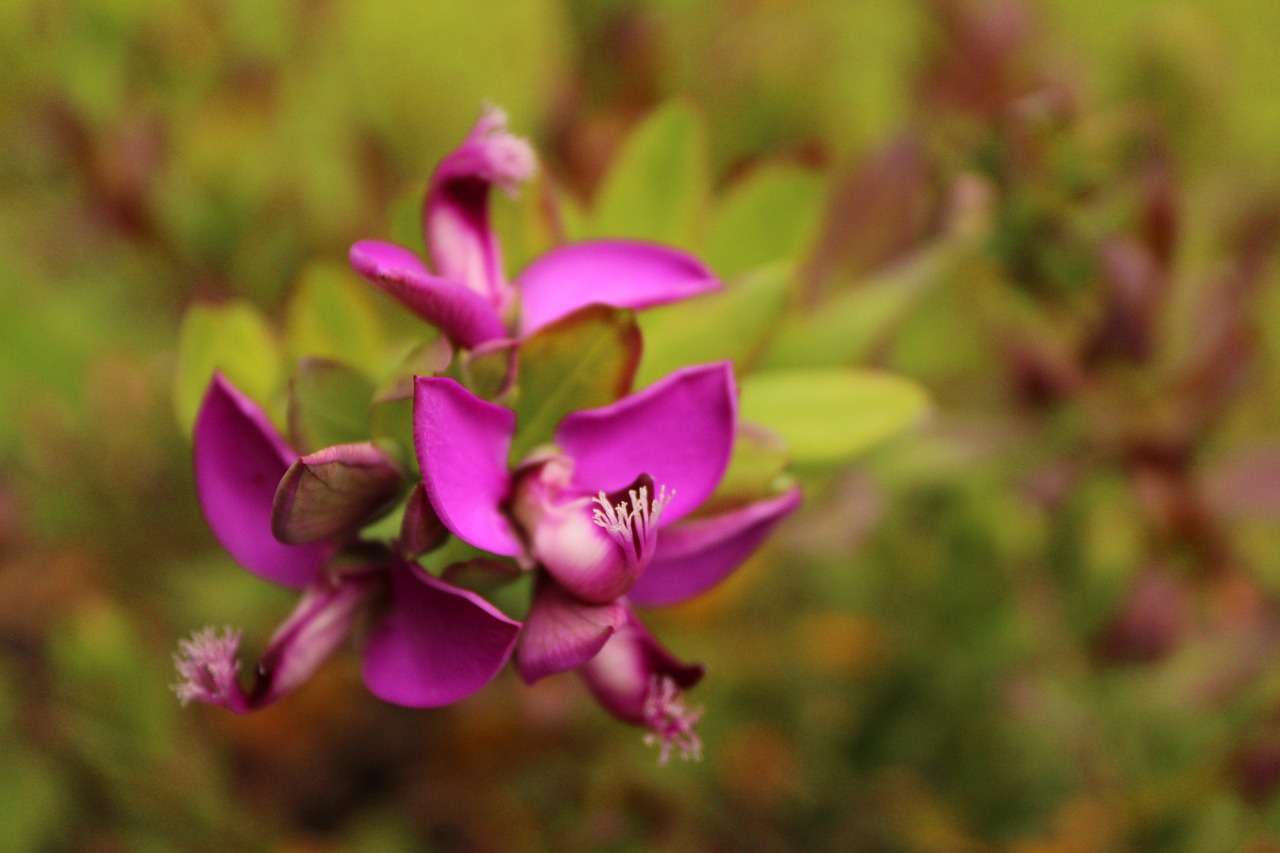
x=611, y=514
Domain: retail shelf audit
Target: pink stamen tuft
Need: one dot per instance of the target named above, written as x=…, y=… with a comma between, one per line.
x=207, y=666
x=508, y=160
x=634, y=528
x=671, y=723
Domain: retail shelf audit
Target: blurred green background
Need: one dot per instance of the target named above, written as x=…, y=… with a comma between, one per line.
x=1044, y=621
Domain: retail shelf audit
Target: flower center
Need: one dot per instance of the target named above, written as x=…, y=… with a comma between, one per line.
x=632, y=522
x=671, y=723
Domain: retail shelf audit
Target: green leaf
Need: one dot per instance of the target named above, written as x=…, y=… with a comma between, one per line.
x=331, y=315
x=391, y=420
x=658, y=186
x=849, y=325
x=770, y=216
x=231, y=338
x=583, y=361
x=731, y=324
x=485, y=371
x=391, y=415
x=328, y=405
x=756, y=468
x=831, y=415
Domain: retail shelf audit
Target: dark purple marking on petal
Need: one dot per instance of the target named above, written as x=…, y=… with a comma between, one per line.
x=698, y=553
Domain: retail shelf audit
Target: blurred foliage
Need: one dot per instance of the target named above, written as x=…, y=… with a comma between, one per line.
x=1044, y=622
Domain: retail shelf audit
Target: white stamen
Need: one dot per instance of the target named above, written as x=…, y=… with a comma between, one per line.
x=207, y=666
x=670, y=721
x=633, y=528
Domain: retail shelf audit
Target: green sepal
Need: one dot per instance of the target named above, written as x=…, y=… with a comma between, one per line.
x=582, y=361
x=328, y=405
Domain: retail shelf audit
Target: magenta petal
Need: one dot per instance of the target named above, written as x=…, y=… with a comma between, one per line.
x=697, y=554
x=239, y=460
x=679, y=431
x=580, y=554
x=318, y=625
x=594, y=563
x=438, y=644
x=455, y=214
x=462, y=443
x=623, y=673
x=462, y=315
x=562, y=632
x=621, y=273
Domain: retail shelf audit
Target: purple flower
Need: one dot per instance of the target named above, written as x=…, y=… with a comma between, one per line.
x=604, y=518
x=467, y=296
x=430, y=643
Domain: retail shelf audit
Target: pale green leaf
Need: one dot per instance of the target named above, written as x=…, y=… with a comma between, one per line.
x=658, y=185
x=828, y=416
x=849, y=325
x=232, y=338
x=770, y=216
x=727, y=325
x=528, y=223
x=391, y=421
x=328, y=405
x=574, y=219
x=486, y=371
x=331, y=315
